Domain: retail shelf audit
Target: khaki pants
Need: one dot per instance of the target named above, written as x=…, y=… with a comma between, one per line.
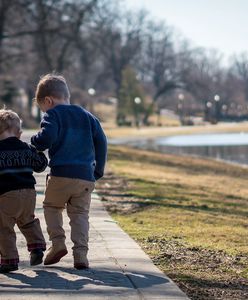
x=17, y=207
x=75, y=196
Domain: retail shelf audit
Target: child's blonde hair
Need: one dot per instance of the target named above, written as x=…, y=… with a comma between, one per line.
x=9, y=120
x=52, y=85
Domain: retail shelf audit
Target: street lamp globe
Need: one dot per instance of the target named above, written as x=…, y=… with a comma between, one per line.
x=181, y=96
x=217, y=98
x=224, y=107
x=137, y=100
x=209, y=104
x=91, y=92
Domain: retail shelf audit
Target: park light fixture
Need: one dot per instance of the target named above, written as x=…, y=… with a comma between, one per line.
x=181, y=96
x=91, y=92
x=137, y=100
x=209, y=104
x=217, y=98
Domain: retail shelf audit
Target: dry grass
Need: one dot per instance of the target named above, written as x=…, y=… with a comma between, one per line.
x=186, y=203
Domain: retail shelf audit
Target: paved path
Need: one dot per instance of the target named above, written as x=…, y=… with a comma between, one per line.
x=119, y=268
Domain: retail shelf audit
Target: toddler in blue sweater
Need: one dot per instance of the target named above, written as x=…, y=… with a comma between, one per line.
x=77, y=150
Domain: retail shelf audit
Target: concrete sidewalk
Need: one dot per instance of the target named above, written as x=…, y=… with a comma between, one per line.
x=119, y=268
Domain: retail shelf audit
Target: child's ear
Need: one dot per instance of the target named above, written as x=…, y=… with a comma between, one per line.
x=49, y=100
x=19, y=134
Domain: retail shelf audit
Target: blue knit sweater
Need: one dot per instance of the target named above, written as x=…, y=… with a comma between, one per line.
x=76, y=143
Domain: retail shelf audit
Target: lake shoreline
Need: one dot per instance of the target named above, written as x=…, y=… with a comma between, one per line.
x=245, y=166
x=155, y=132
x=229, y=147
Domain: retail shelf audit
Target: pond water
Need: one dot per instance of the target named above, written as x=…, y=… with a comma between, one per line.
x=232, y=147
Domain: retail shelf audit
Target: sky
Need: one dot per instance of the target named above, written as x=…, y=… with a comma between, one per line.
x=217, y=24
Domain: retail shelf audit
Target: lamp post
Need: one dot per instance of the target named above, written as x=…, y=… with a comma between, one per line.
x=208, y=107
x=92, y=93
x=137, y=102
x=224, y=109
x=180, y=107
x=217, y=107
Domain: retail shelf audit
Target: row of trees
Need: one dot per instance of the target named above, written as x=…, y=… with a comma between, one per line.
x=100, y=44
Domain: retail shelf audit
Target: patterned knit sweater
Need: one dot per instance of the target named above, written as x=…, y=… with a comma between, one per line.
x=18, y=160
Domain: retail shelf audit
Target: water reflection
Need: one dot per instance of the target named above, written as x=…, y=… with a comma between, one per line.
x=224, y=139
x=231, y=153
x=237, y=154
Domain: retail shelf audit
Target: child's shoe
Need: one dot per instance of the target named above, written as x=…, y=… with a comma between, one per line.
x=8, y=268
x=36, y=257
x=80, y=261
x=81, y=266
x=55, y=253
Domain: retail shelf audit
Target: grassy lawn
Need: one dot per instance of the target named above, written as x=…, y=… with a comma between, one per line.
x=188, y=214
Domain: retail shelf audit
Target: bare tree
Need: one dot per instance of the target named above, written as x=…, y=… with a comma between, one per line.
x=240, y=69
x=157, y=63
x=57, y=28
x=120, y=43
x=7, y=7
x=203, y=74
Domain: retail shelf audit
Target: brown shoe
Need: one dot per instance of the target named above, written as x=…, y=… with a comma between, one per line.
x=81, y=266
x=55, y=254
x=80, y=260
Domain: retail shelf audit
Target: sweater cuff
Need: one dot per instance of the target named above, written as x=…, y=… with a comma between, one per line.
x=98, y=175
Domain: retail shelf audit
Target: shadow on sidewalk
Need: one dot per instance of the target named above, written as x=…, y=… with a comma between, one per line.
x=56, y=279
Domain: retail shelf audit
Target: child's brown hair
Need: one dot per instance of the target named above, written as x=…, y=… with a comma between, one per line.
x=9, y=120
x=52, y=85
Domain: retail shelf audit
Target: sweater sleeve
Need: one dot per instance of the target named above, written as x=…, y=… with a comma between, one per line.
x=100, y=144
x=39, y=160
x=48, y=134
